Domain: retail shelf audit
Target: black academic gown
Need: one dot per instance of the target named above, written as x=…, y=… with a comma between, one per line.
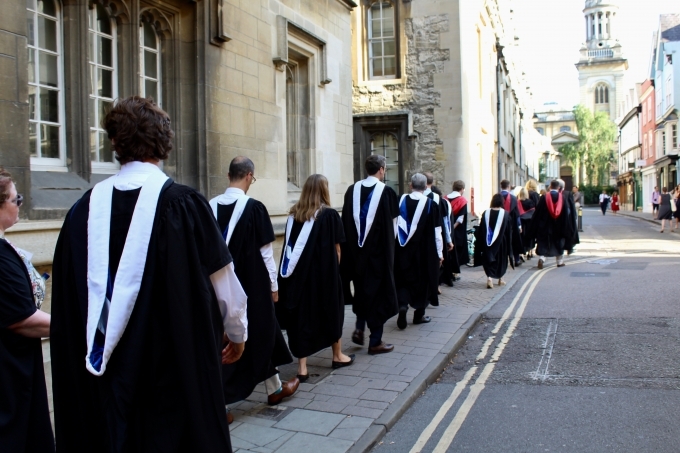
x=266, y=347
x=311, y=306
x=494, y=259
x=551, y=235
x=450, y=264
x=529, y=206
x=162, y=388
x=517, y=246
x=574, y=238
x=25, y=425
x=459, y=236
x=416, y=265
x=370, y=268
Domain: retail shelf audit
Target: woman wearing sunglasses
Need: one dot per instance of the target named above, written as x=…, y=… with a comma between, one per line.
x=24, y=418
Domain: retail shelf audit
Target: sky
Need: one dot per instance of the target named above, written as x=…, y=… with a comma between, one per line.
x=551, y=33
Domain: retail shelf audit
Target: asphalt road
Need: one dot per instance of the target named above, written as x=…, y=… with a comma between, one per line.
x=585, y=358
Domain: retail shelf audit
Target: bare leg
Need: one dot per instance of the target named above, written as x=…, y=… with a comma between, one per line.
x=302, y=366
x=663, y=223
x=338, y=356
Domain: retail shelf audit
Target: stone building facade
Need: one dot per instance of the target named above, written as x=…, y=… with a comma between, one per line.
x=426, y=82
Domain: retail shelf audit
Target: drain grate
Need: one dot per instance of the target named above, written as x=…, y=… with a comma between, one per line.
x=590, y=274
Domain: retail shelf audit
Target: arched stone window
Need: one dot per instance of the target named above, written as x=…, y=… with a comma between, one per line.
x=150, y=62
x=45, y=84
x=382, y=40
x=602, y=94
x=387, y=144
x=103, y=81
x=565, y=129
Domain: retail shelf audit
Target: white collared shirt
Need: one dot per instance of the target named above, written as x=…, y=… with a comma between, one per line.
x=133, y=175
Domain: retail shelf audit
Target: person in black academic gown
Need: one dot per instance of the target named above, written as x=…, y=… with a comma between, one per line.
x=368, y=254
x=493, y=242
x=459, y=220
x=551, y=226
x=248, y=231
x=573, y=240
x=419, y=252
x=140, y=315
x=311, y=306
x=510, y=205
x=450, y=266
x=25, y=425
x=445, y=221
x=526, y=207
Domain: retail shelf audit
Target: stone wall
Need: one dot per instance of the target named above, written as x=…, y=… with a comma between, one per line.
x=424, y=58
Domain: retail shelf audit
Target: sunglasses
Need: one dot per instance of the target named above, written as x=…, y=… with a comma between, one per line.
x=18, y=200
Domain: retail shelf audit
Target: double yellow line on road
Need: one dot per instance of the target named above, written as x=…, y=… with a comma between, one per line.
x=477, y=387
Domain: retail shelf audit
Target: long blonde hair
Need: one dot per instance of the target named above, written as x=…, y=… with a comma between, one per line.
x=531, y=185
x=314, y=196
x=523, y=194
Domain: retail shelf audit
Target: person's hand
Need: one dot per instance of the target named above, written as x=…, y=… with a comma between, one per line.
x=232, y=352
x=520, y=229
x=450, y=247
x=275, y=296
x=441, y=262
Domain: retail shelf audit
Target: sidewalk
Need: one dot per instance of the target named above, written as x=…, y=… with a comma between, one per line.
x=638, y=215
x=349, y=409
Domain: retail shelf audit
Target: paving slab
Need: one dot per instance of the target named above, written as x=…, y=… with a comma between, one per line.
x=349, y=409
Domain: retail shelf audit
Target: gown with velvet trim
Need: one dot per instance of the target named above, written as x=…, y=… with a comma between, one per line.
x=494, y=259
x=416, y=265
x=162, y=389
x=311, y=306
x=25, y=425
x=459, y=236
x=370, y=268
x=552, y=235
x=515, y=222
x=266, y=347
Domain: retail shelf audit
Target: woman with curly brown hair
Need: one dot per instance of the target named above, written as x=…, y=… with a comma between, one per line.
x=145, y=292
x=24, y=415
x=311, y=306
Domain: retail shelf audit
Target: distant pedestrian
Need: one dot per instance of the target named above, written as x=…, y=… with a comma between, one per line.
x=665, y=208
x=676, y=213
x=532, y=189
x=615, y=202
x=445, y=213
x=510, y=205
x=459, y=216
x=551, y=226
x=604, y=201
x=493, y=242
x=656, y=197
x=526, y=211
x=578, y=197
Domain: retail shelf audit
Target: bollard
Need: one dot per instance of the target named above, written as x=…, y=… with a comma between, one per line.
x=580, y=220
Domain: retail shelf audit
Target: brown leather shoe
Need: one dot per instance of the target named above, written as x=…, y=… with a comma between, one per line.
x=287, y=390
x=358, y=337
x=230, y=418
x=382, y=348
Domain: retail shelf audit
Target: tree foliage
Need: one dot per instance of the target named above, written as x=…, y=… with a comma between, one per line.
x=595, y=147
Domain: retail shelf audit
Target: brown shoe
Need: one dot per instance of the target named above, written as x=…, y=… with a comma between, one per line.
x=382, y=348
x=230, y=418
x=287, y=390
x=358, y=337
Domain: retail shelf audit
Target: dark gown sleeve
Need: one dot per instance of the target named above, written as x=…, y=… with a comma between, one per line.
x=16, y=299
x=212, y=250
x=337, y=228
x=393, y=201
x=264, y=231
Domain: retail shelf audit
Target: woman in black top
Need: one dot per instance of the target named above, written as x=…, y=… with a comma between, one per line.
x=24, y=415
x=665, y=211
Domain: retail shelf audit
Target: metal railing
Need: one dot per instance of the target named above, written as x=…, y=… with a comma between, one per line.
x=601, y=53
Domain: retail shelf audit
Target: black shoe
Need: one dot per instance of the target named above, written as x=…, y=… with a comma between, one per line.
x=337, y=365
x=518, y=263
x=358, y=337
x=303, y=377
x=422, y=320
x=401, y=320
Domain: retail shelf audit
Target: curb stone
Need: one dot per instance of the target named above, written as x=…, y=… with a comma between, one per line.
x=631, y=216
x=428, y=376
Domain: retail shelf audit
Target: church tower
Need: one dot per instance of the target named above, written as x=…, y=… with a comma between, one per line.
x=602, y=67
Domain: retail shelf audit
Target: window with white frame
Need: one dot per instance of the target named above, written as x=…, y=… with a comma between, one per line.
x=660, y=145
x=669, y=92
x=382, y=42
x=45, y=84
x=103, y=82
x=150, y=63
x=565, y=129
x=644, y=147
x=674, y=136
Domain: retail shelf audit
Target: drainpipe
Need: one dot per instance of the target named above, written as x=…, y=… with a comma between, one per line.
x=499, y=55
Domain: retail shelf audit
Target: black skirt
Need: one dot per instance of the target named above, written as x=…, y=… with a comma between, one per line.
x=665, y=212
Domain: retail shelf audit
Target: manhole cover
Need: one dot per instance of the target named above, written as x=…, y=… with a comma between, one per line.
x=590, y=274
x=630, y=266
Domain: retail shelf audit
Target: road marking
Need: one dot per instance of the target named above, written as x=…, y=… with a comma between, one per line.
x=476, y=388
x=460, y=386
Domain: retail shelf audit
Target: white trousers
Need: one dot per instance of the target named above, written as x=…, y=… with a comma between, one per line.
x=273, y=384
